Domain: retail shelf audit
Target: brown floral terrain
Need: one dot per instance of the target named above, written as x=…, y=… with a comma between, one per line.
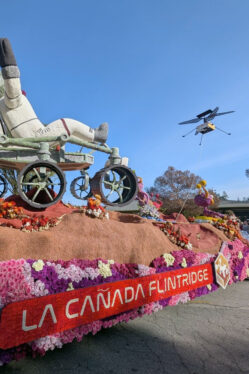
x=124, y=238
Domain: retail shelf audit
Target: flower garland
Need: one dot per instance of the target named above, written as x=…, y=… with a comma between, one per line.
x=174, y=236
x=93, y=209
x=26, y=279
x=229, y=227
x=8, y=209
x=39, y=223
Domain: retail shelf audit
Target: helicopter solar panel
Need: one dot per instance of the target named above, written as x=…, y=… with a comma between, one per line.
x=204, y=113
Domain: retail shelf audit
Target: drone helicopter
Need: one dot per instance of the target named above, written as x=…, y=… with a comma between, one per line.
x=206, y=126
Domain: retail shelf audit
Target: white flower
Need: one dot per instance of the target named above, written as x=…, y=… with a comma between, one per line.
x=38, y=265
x=189, y=246
x=104, y=269
x=184, y=263
x=169, y=259
x=209, y=287
x=240, y=255
x=70, y=287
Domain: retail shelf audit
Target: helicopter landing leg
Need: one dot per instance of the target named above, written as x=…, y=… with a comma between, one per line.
x=188, y=133
x=228, y=133
x=201, y=139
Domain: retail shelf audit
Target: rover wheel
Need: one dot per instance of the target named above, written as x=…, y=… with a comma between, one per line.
x=80, y=187
x=47, y=187
x=117, y=185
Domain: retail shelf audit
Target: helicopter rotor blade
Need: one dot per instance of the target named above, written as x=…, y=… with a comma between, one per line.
x=195, y=120
x=212, y=115
x=221, y=114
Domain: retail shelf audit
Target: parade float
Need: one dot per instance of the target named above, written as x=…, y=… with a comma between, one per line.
x=68, y=271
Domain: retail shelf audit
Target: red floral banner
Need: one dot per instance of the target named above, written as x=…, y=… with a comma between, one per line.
x=31, y=319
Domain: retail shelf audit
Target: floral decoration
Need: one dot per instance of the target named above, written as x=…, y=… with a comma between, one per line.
x=39, y=223
x=8, y=209
x=174, y=235
x=230, y=227
x=26, y=279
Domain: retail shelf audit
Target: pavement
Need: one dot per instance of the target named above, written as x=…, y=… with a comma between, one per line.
x=208, y=335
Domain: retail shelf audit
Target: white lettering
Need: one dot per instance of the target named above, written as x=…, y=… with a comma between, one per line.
x=106, y=304
x=117, y=292
x=158, y=288
x=150, y=287
x=139, y=287
x=127, y=289
x=165, y=284
x=51, y=309
x=200, y=276
x=193, y=278
x=89, y=299
x=70, y=316
x=173, y=285
x=205, y=272
x=179, y=280
x=185, y=279
x=24, y=326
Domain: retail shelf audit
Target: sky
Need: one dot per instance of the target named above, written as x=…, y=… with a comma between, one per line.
x=142, y=66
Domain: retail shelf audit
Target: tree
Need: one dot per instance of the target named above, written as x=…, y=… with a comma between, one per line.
x=224, y=196
x=177, y=190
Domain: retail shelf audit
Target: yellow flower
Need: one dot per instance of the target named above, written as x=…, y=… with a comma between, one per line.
x=184, y=263
x=240, y=255
x=38, y=265
x=203, y=182
x=70, y=287
x=104, y=269
x=209, y=287
x=169, y=259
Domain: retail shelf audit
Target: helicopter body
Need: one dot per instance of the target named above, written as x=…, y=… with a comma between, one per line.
x=206, y=126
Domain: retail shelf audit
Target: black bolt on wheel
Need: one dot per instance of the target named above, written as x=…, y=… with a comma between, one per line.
x=80, y=187
x=41, y=184
x=3, y=186
x=117, y=185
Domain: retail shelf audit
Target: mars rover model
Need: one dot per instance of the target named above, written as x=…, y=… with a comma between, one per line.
x=41, y=163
